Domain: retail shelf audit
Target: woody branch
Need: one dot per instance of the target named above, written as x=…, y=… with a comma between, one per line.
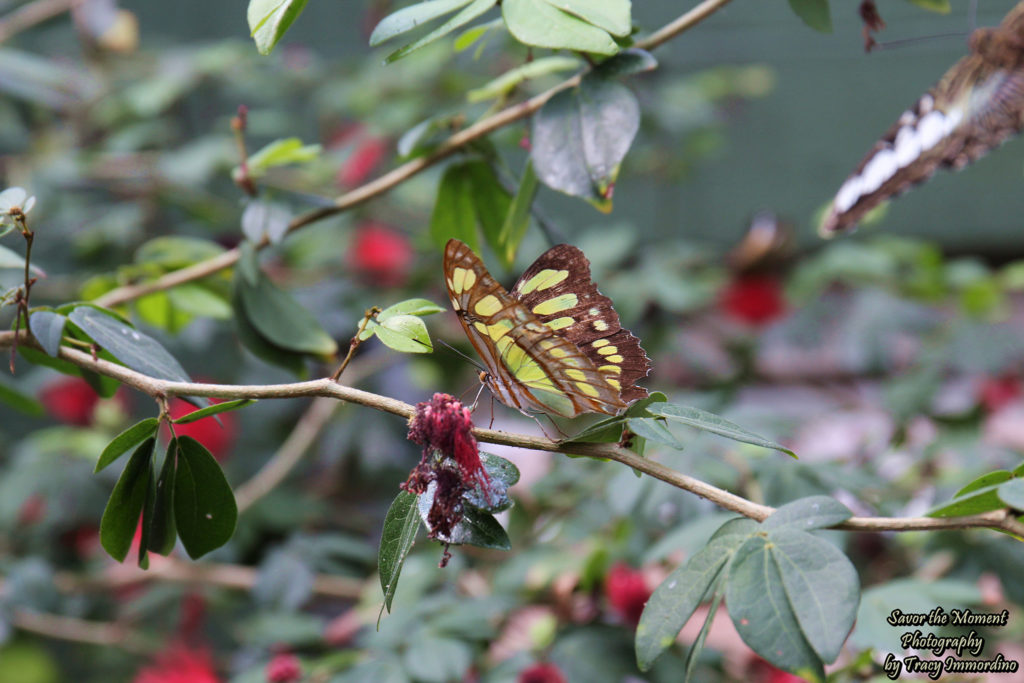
x=326, y=387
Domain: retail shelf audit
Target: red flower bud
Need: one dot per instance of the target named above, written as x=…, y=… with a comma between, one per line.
x=542, y=672
x=368, y=152
x=627, y=592
x=284, y=668
x=381, y=255
x=996, y=392
x=71, y=400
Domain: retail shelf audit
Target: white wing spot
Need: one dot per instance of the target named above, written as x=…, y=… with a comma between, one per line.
x=926, y=103
x=848, y=194
x=881, y=167
x=931, y=129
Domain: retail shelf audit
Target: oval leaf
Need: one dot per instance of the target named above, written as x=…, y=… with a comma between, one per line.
x=813, y=512
x=815, y=14
x=410, y=307
x=468, y=14
x=121, y=516
x=611, y=15
x=535, y=22
x=408, y=18
x=205, y=512
x=48, y=329
x=399, y=534
x=270, y=19
x=405, y=333
x=158, y=518
x=709, y=422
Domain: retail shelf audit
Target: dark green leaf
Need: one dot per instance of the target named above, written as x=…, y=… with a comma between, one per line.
x=213, y=409
x=454, y=214
x=280, y=319
x=761, y=611
x=738, y=526
x=121, y=516
x=814, y=512
x=135, y=434
x=513, y=230
x=468, y=14
x=493, y=495
x=204, y=506
x=270, y=19
x=536, y=22
x=20, y=401
x=411, y=17
x=400, y=527
x=505, y=83
x=490, y=201
x=48, y=329
x=159, y=518
x=137, y=350
x=693, y=654
x=654, y=429
x=147, y=513
x=102, y=385
x=174, y=252
x=196, y=299
x=815, y=14
x=260, y=347
x=709, y=422
x=677, y=598
x=628, y=62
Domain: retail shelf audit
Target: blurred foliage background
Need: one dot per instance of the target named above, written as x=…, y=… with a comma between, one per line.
x=890, y=361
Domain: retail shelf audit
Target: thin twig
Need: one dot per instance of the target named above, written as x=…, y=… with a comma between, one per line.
x=31, y=14
x=103, y=633
x=326, y=387
x=356, y=341
x=397, y=176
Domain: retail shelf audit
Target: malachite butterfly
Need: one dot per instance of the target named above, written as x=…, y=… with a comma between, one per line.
x=554, y=344
x=977, y=105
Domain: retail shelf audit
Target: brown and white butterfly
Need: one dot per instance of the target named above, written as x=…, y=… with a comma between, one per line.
x=977, y=105
x=554, y=343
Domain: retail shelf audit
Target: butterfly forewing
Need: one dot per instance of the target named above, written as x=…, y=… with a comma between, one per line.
x=977, y=105
x=530, y=365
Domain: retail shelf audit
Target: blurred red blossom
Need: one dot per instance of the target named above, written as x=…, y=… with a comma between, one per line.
x=32, y=510
x=995, y=393
x=382, y=255
x=542, y=672
x=179, y=664
x=761, y=671
x=284, y=668
x=216, y=438
x=627, y=592
x=368, y=151
x=753, y=299
x=71, y=400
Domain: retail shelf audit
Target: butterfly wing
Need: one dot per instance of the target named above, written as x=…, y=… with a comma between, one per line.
x=977, y=105
x=530, y=366
x=558, y=289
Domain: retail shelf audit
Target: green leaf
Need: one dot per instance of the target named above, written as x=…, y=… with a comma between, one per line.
x=517, y=221
x=580, y=137
x=693, y=654
x=677, y=598
x=793, y=598
x=468, y=14
x=813, y=512
x=536, y=22
x=174, y=252
x=400, y=527
x=611, y=15
x=410, y=307
x=709, y=422
x=505, y=83
x=196, y=299
x=405, y=333
x=213, y=409
x=477, y=528
x=940, y=6
x=454, y=214
x=610, y=429
x=135, y=349
x=630, y=61
x=411, y=17
x=471, y=35
x=815, y=14
x=20, y=401
x=981, y=495
x=157, y=310
x=258, y=345
x=121, y=443
x=121, y=516
x=48, y=329
x=270, y=19
x=654, y=429
x=490, y=200
x=492, y=496
x=280, y=153
x=1012, y=493
x=158, y=519
x=205, y=512
x=279, y=319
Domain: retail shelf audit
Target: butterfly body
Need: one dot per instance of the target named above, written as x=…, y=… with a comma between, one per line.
x=554, y=344
x=978, y=104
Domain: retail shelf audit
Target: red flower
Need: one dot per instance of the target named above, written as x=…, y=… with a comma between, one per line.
x=32, y=510
x=753, y=299
x=284, y=668
x=382, y=255
x=627, y=592
x=216, y=438
x=71, y=400
x=179, y=664
x=996, y=392
x=761, y=671
x=542, y=672
x=367, y=153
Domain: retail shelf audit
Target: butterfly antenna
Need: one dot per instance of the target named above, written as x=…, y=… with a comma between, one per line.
x=454, y=350
x=918, y=39
x=491, y=425
x=476, y=400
